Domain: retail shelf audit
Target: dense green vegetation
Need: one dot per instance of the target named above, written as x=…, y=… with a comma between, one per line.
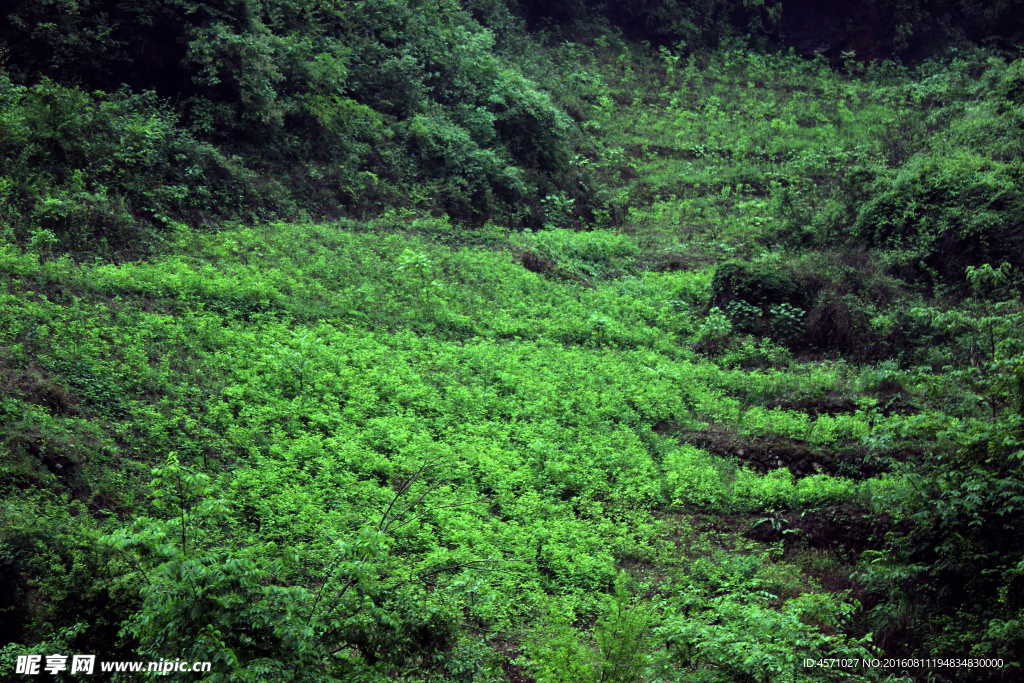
x=558, y=342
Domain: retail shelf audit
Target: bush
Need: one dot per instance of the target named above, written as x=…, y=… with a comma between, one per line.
x=751, y=354
x=470, y=173
x=622, y=637
x=761, y=299
x=108, y=172
x=741, y=637
x=698, y=479
x=699, y=25
x=598, y=253
x=941, y=214
x=335, y=105
x=48, y=553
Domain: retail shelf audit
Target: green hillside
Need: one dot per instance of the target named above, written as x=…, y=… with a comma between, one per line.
x=573, y=342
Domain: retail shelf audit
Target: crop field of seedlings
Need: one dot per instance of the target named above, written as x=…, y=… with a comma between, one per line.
x=492, y=342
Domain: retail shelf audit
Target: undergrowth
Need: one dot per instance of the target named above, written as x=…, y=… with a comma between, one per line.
x=623, y=364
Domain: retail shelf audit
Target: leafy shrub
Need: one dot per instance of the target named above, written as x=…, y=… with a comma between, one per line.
x=468, y=118
x=698, y=25
x=714, y=331
x=696, y=478
x=787, y=324
x=1007, y=82
x=745, y=317
x=47, y=550
x=962, y=505
x=886, y=377
x=621, y=644
x=902, y=138
x=691, y=290
x=700, y=480
x=111, y=170
x=470, y=174
x=755, y=284
x=941, y=214
x=741, y=637
x=348, y=105
x=761, y=299
x=753, y=354
x=228, y=606
x=596, y=253
x=531, y=126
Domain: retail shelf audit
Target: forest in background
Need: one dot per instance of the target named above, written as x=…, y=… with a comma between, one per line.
x=553, y=342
